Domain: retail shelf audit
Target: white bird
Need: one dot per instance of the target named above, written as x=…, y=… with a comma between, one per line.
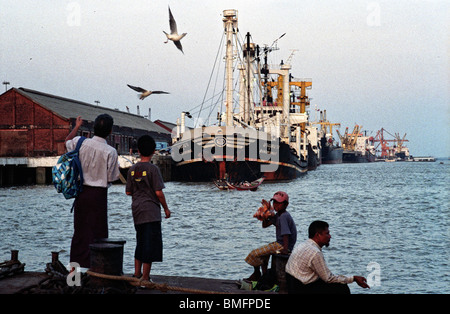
x=173, y=36
x=144, y=92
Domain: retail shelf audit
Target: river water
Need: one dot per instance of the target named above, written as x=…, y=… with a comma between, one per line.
x=389, y=222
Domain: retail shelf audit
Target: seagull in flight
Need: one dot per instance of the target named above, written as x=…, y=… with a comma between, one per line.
x=174, y=33
x=145, y=92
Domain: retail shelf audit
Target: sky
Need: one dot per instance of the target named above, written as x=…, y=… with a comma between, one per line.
x=378, y=64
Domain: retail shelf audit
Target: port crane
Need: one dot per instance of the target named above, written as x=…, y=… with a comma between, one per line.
x=348, y=141
x=326, y=126
x=383, y=142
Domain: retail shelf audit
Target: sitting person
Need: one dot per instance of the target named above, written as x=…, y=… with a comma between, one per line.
x=286, y=236
x=306, y=270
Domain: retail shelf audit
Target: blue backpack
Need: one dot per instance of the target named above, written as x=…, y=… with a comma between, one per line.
x=67, y=174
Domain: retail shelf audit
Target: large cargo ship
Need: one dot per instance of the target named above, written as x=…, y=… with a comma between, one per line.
x=265, y=133
x=358, y=148
x=331, y=152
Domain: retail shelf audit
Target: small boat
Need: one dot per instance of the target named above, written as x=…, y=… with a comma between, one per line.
x=243, y=186
x=223, y=184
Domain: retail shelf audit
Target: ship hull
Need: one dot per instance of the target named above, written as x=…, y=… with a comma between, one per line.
x=332, y=155
x=205, y=171
x=218, y=153
x=357, y=157
x=313, y=159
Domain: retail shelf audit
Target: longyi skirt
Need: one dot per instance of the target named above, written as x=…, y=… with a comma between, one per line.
x=90, y=223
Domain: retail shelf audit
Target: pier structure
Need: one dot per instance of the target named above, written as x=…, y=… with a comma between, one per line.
x=38, y=170
x=34, y=125
x=105, y=275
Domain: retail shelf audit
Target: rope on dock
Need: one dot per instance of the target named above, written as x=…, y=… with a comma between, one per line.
x=151, y=285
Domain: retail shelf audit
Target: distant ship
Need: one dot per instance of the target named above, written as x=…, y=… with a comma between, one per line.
x=398, y=152
x=331, y=152
x=265, y=136
x=357, y=147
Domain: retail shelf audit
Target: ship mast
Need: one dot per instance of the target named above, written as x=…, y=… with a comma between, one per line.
x=230, y=25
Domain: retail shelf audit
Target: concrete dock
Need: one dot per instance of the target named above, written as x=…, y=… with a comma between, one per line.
x=20, y=282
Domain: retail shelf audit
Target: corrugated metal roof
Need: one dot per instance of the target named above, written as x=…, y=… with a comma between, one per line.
x=69, y=108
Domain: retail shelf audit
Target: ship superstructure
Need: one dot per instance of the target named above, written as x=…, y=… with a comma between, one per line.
x=357, y=146
x=264, y=133
x=331, y=152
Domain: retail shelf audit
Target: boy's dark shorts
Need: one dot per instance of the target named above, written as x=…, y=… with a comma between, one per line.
x=148, y=242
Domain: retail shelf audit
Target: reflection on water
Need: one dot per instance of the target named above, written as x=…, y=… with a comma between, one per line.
x=392, y=214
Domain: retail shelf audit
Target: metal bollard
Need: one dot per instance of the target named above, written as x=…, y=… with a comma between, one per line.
x=14, y=255
x=106, y=258
x=55, y=257
x=120, y=242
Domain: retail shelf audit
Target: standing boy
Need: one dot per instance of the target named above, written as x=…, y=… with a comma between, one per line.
x=145, y=184
x=286, y=236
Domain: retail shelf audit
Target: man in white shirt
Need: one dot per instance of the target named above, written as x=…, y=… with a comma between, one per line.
x=307, y=271
x=99, y=163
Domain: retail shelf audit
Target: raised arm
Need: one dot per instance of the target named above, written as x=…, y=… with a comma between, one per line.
x=74, y=131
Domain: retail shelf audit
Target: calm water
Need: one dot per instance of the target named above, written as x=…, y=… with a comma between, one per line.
x=391, y=215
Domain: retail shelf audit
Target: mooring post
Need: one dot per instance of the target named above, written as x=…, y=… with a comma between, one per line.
x=106, y=258
x=55, y=257
x=14, y=255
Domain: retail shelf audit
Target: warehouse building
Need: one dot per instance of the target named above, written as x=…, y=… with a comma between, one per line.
x=35, y=124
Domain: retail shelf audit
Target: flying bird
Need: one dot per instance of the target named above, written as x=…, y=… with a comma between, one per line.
x=144, y=92
x=173, y=36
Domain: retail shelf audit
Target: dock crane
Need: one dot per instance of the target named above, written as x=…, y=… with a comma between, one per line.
x=386, y=151
x=400, y=142
x=326, y=126
x=348, y=141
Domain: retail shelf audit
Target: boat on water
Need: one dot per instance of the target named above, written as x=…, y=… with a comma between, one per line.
x=245, y=185
x=265, y=133
x=358, y=148
x=351, y=156
x=398, y=152
x=331, y=152
x=222, y=184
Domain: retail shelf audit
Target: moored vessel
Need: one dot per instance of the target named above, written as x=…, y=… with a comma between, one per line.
x=358, y=148
x=331, y=152
x=260, y=135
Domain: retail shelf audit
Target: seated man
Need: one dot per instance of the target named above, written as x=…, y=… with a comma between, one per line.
x=306, y=270
x=286, y=236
